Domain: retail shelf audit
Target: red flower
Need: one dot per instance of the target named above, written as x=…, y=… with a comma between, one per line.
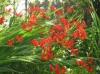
x=1, y=20
x=58, y=37
x=76, y=34
x=45, y=42
x=53, y=8
x=10, y=43
x=85, y=65
x=51, y=68
x=70, y=44
x=66, y=23
x=83, y=34
x=59, y=12
x=32, y=20
x=80, y=33
x=80, y=62
x=58, y=28
x=57, y=69
x=70, y=9
x=35, y=42
x=80, y=30
x=63, y=70
x=47, y=54
x=89, y=69
x=58, y=33
x=19, y=38
x=74, y=52
x=26, y=27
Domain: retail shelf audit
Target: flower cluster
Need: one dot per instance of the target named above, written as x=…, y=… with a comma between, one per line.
x=18, y=39
x=86, y=64
x=57, y=69
x=61, y=33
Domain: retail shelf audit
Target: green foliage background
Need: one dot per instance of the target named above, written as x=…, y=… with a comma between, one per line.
x=23, y=58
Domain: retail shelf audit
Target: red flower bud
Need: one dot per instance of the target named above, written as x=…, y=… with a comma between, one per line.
x=10, y=43
x=35, y=42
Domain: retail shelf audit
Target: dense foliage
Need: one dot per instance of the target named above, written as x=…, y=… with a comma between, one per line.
x=50, y=38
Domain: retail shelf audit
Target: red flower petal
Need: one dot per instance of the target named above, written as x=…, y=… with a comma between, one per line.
x=57, y=69
x=35, y=42
x=19, y=38
x=10, y=43
x=63, y=70
x=70, y=44
x=51, y=68
x=89, y=69
x=1, y=20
